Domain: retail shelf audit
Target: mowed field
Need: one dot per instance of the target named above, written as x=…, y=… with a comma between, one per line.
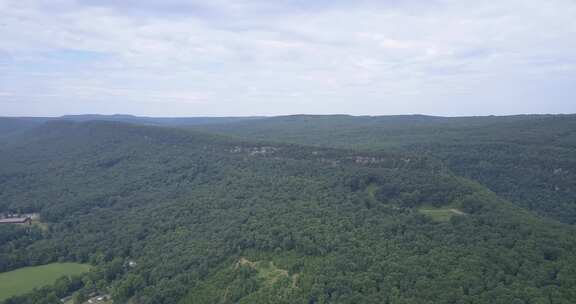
x=25, y=279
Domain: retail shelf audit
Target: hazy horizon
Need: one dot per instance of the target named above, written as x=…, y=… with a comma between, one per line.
x=178, y=58
x=282, y=115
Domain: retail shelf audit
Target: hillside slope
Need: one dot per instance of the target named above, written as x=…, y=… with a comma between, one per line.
x=528, y=159
x=10, y=126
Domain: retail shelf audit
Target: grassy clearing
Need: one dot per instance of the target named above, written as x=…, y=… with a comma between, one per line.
x=440, y=214
x=23, y=280
x=269, y=272
x=371, y=191
x=268, y=280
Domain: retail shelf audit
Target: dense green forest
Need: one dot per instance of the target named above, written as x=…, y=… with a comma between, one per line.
x=171, y=215
x=527, y=159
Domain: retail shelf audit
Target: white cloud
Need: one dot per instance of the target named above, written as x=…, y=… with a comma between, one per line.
x=256, y=57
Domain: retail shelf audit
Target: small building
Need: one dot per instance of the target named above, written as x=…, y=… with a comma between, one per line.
x=16, y=220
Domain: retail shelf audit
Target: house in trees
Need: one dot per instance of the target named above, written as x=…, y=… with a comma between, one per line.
x=16, y=220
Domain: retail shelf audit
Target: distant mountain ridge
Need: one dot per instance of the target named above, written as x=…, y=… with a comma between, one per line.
x=13, y=125
x=162, y=121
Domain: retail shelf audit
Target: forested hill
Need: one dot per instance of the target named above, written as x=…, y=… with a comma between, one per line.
x=11, y=127
x=172, y=216
x=158, y=121
x=528, y=159
x=14, y=126
x=378, y=132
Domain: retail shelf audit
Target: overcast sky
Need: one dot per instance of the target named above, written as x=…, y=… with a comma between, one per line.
x=273, y=57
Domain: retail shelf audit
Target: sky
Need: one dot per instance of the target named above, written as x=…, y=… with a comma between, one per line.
x=264, y=57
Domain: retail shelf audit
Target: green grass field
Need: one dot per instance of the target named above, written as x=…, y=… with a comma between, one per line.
x=23, y=280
